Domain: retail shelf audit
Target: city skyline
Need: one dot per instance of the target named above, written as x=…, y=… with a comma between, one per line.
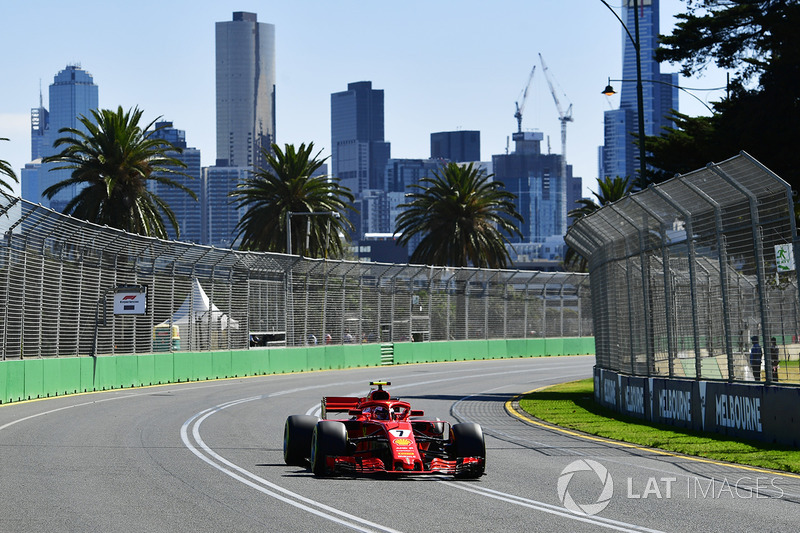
x=443, y=67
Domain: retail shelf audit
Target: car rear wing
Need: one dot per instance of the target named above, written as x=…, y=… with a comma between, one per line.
x=338, y=404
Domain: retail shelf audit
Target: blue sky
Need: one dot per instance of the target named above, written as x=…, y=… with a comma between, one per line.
x=445, y=65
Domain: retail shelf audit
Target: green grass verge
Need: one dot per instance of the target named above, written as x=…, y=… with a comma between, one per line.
x=572, y=405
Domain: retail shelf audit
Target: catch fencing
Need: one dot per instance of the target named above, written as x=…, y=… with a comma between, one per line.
x=685, y=273
x=60, y=278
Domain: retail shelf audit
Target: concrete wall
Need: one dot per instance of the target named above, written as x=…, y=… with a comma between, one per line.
x=44, y=377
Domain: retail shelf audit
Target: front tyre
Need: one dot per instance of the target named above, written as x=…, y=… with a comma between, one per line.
x=297, y=438
x=468, y=441
x=329, y=439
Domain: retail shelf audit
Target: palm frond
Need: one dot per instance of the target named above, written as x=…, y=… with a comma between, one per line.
x=6, y=170
x=290, y=182
x=113, y=158
x=461, y=216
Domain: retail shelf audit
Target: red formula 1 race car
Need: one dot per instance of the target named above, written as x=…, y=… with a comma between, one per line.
x=382, y=435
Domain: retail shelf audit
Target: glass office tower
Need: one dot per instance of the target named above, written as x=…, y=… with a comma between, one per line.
x=40, y=119
x=245, y=67
x=359, y=153
x=620, y=155
x=219, y=215
x=457, y=146
x=73, y=93
x=358, y=150
x=535, y=178
x=187, y=210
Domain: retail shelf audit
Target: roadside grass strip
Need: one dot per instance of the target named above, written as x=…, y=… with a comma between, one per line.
x=571, y=405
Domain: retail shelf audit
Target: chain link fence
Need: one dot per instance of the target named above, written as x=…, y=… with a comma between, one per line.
x=685, y=275
x=58, y=277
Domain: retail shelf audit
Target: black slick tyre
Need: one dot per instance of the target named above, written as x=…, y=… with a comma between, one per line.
x=297, y=438
x=468, y=441
x=329, y=439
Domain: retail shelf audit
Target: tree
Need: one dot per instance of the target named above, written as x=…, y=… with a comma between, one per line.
x=114, y=158
x=609, y=191
x=290, y=183
x=462, y=216
x=5, y=169
x=686, y=147
x=757, y=40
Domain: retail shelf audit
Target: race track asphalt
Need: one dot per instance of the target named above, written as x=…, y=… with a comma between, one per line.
x=207, y=457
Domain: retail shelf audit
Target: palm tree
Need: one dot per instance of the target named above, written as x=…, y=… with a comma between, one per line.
x=461, y=215
x=114, y=158
x=5, y=169
x=609, y=191
x=290, y=183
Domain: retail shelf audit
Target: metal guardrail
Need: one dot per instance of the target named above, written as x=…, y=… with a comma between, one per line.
x=55, y=272
x=686, y=272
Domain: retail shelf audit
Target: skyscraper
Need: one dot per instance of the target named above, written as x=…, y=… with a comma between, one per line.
x=187, y=210
x=358, y=150
x=359, y=153
x=620, y=155
x=457, y=146
x=402, y=173
x=219, y=216
x=72, y=94
x=40, y=119
x=245, y=62
x=29, y=178
x=535, y=178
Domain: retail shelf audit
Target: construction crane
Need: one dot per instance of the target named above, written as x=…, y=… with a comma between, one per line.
x=563, y=118
x=521, y=102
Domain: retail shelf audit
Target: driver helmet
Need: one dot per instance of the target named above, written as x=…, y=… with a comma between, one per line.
x=381, y=413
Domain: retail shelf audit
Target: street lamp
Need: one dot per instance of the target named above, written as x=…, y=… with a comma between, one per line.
x=290, y=214
x=639, y=93
x=609, y=90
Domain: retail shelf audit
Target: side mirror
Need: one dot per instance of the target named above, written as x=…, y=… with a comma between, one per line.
x=417, y=412
x=355, y=412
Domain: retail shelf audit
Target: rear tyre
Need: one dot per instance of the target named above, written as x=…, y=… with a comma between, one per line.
x=297, y=438
x=329, y=439
x=468, y=441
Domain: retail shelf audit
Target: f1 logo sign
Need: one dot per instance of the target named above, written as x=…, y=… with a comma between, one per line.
x=130, y=300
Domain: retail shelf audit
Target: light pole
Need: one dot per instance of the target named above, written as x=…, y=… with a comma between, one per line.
x=639, y=92
x=609, y=90
x=290, y=214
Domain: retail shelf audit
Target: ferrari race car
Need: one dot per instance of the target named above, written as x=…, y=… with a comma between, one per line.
x=382, y=435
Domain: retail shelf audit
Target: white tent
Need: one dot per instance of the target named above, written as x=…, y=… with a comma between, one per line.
x=199, y=320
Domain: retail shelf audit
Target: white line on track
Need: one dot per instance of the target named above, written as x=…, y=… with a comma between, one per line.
x=262, y=485
x=548, y=508
x=357, y=523
x=534, y=504
x=51, y=411
x=341, y=517
x=205, y=453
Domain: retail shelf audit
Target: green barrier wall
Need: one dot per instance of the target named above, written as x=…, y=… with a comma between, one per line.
x=40, y=378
